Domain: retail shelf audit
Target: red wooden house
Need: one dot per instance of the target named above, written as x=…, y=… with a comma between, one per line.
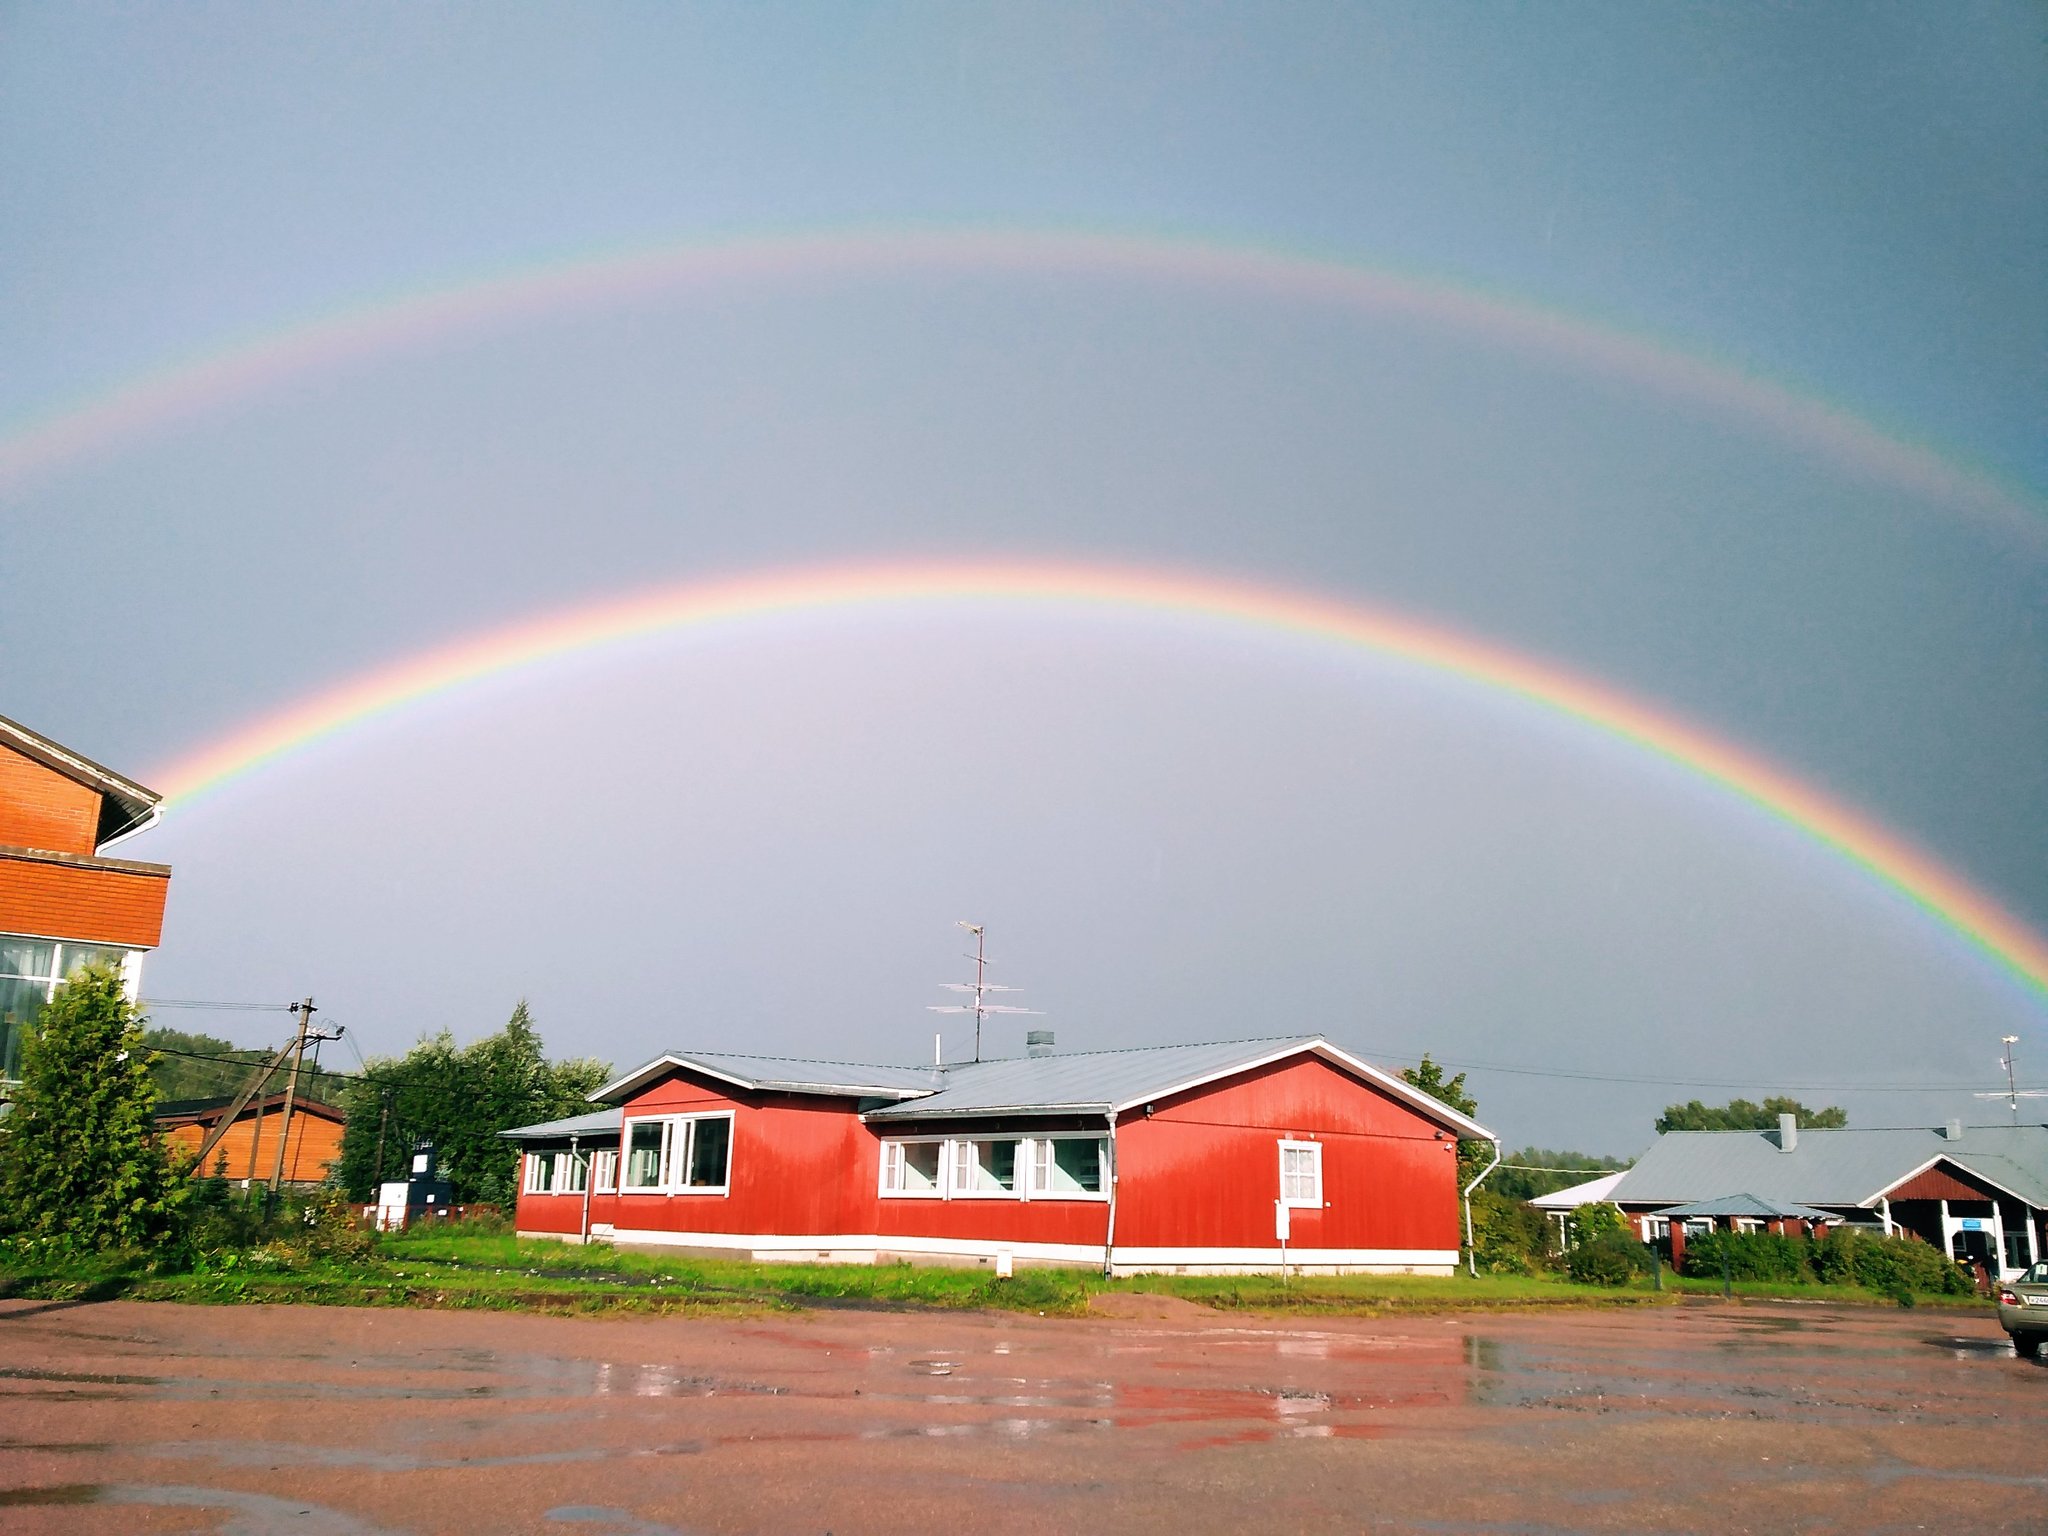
x=1196, y=1158
x=62, y=903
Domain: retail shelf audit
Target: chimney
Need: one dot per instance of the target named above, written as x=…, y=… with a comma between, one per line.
x=1788, y=1132
x=1953, y=1131
x=1038, y=1042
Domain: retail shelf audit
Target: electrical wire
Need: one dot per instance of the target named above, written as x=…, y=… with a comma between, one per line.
x=217, y=1007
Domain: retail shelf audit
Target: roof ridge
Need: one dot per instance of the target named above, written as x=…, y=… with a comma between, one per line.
x=819, y=1061
x=1133, y=1050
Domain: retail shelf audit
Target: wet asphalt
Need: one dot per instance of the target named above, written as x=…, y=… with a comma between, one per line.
x=118, y=1417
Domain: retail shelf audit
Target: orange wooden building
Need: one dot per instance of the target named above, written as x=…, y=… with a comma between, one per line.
x=249, y=1149
x=64, y=904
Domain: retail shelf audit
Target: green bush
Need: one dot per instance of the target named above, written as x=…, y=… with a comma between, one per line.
x=1612, y=1258
x=1897, y=1266
x=1587, y=1222
x=1750, y=1256
x=1509, y=1237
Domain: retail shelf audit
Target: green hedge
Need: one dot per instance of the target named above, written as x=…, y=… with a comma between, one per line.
x=1894, y=1266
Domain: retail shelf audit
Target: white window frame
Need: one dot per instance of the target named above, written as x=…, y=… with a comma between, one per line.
x=678, y=1133
x=1038, y=1191
x=572, y=1173
x=891, y=1153
x=60, y=968
x=1313, y=1201
x=604, y=1171
x=951, y=1187
x=535, y=1162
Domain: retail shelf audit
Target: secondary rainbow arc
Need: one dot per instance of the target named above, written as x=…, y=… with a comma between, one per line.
x=1935, y=890
x=240, y=370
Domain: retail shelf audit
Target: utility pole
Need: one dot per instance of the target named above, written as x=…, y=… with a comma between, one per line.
x=305, y=1011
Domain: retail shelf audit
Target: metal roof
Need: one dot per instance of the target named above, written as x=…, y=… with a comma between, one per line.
x=1098, y=1082
x=1592, y=1192
x=1831, y=1167
x=783, y=1074
x=1748, y=1205
x=575, y=1125
x=1072, y=1082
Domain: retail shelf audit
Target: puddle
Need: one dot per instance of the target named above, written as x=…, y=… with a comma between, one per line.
x=25, y=1373
x=63, y=1493
x=249, y=1514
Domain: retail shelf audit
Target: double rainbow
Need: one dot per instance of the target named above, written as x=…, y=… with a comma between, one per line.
x=1813, y=425
x=1913, y=875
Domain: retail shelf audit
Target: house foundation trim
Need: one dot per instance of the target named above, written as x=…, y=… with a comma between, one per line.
x=871, y=1248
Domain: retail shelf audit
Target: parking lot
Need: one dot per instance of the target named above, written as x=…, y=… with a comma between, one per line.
x=117, y=1417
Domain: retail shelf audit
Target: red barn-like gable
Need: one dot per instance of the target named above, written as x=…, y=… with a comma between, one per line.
x=1200, y=1158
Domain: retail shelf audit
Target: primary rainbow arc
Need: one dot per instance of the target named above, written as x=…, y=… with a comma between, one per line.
x=1937, y=891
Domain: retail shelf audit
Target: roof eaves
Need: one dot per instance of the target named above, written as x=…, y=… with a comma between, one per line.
x=140, y=803
x=990, y=1111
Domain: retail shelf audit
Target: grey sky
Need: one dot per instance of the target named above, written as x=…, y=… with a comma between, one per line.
x=1173, y=831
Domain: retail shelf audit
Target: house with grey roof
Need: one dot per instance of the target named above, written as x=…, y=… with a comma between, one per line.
x=1225, y=1157
x=1979, y=1193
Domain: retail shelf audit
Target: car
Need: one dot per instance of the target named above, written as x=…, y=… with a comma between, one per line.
x=2023, y=1310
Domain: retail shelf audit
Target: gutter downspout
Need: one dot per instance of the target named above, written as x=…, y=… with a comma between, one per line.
x=1472, y=1253
x=576, y=1146
x=1109, y=1234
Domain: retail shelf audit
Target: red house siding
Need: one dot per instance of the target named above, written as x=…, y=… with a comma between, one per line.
x=800, y=1166
x=1203, y=1170
x=1197, y=1179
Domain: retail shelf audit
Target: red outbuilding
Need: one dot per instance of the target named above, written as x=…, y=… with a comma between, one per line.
x=1239, y=1156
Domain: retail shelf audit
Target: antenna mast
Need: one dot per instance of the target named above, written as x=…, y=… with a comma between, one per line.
x=981, y=986
x=2013, y=1092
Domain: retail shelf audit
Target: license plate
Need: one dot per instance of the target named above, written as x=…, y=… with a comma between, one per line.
x=2035, y=1301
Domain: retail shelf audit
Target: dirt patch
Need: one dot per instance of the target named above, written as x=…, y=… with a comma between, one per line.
x=1135, y=1306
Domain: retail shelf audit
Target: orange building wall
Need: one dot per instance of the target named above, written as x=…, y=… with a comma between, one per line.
x=91, y=904
x=314, y=1146
x=40, y=808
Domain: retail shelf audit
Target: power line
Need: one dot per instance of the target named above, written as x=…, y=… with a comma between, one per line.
x=1761, y=1084
x=218, y=1007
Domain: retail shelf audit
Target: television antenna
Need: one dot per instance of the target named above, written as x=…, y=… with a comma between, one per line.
x=2013, y=1093
x=980, y=987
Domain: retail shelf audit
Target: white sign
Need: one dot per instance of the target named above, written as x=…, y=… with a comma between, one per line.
x=1281, y=1216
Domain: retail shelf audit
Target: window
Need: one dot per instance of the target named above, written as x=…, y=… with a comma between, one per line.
x=996, y=1168
x=984, y=1168
x=540, y=1173
x=572, y=1171
x=1301, y=1174
x=604, y=1170
x=30, y=972
x=911, y=1167
x=1066, y=1166
x=680, y=1154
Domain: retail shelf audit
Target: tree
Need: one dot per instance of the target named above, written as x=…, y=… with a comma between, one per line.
x=80, y=1166
x=197, y=1066
x=459, y=1098
x=1741, y=1115
x=1537, y=1171
x=1473, y=1156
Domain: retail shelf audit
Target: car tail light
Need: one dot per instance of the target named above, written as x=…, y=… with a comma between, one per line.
x=2008, y=1299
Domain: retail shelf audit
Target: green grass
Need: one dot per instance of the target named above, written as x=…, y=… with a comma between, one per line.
x=458, y=1269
